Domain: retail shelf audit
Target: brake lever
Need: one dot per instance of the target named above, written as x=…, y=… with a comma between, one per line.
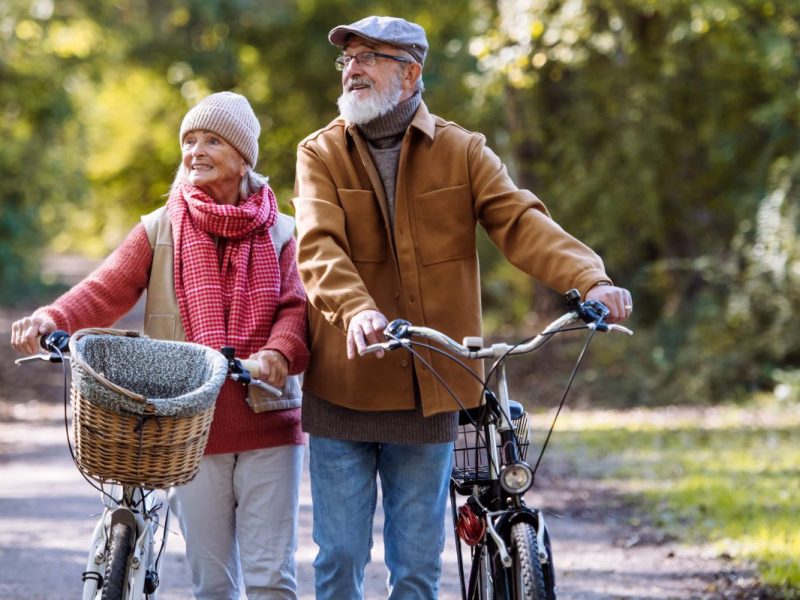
x=386, y=346
x=591, y=312
x=594, y=313
x=47, y=357
x=620, y=328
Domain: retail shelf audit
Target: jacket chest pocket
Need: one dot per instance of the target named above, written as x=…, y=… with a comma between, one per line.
x=446, y=224
x=364, y=225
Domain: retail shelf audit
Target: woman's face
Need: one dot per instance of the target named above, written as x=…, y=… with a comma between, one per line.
x=213, y=165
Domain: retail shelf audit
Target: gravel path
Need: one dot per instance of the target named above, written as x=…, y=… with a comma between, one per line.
x=47, y=514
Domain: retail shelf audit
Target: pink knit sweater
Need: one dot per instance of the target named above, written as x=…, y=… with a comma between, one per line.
x=113, y=288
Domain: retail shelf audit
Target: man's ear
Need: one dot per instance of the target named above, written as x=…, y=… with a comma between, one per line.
x=411, y=76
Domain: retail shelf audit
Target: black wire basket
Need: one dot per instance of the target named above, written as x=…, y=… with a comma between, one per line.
x=470, y=456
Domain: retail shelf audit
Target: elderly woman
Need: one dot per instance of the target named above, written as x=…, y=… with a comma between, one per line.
x=218, y=263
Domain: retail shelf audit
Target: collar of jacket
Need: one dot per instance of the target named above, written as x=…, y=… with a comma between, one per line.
x=423, y=121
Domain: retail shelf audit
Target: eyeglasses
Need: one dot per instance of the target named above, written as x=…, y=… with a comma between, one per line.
x=366, y=59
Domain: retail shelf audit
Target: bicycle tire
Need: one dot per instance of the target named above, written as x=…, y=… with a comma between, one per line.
x=117, y=564
x=525, y=578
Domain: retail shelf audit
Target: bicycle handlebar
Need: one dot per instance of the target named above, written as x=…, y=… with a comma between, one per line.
x=242, y=370
x=591, y=312
x=247, y=371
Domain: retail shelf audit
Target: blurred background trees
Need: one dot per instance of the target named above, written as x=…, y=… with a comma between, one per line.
x=664, y=133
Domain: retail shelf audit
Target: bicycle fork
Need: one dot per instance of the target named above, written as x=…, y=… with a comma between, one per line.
x=142, y=572
x=491, y=518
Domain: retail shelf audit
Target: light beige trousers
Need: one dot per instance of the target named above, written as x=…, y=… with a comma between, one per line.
x=239, y=520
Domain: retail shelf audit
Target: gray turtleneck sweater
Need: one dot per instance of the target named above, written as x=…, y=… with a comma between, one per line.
x=384, y=137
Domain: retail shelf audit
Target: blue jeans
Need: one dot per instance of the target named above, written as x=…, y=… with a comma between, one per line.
x=414, y=481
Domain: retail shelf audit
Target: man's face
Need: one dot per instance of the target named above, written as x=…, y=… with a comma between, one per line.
x=369, y=91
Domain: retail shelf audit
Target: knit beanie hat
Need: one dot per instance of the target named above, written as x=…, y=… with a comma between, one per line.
x=231, y=117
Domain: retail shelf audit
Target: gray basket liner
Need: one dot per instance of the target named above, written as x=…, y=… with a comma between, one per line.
x=178, y=379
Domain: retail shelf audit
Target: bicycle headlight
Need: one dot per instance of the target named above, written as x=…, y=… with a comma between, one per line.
x=516, y=478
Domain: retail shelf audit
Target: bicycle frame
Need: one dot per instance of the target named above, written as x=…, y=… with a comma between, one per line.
x=132, y=563
x=496, y=518
x=499, y=508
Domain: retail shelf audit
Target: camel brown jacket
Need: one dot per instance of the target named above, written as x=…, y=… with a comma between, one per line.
x=424, y=268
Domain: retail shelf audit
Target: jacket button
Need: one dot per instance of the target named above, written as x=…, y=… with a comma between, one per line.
x=404, y=363
x=396, y=295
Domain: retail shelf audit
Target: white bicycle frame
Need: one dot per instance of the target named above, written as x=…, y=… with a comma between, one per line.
x=138, y=508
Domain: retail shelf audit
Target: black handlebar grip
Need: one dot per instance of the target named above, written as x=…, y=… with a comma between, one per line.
x=55, y=342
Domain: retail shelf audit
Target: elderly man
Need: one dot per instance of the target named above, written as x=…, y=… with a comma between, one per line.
x=387, y=200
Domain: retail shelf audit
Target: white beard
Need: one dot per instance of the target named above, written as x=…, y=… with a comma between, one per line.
x=360, y=111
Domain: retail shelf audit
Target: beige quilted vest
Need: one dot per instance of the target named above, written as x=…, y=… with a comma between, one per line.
x=162, y=319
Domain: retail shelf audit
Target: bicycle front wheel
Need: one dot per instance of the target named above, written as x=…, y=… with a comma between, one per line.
x=525, y=578
x=117, y=564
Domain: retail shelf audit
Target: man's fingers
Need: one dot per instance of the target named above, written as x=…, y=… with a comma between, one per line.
x=355, y=342
x=366, y=328
x=359, y=338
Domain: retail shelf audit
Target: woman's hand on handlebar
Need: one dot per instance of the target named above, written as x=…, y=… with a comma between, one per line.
x=25, y=333
x=365, y=328
x=274, y=368
x=618, y=301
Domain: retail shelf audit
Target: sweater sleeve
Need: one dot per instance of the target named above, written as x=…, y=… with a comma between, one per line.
x=110, y=291
x=289, y=329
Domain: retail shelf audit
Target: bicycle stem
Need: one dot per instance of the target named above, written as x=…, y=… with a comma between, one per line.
x=504, y=424
x=502, y=398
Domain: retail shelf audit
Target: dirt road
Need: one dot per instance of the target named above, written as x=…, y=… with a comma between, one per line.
x=47, y=512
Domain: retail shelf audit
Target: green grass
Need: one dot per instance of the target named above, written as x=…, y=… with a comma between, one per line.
x=728, y=476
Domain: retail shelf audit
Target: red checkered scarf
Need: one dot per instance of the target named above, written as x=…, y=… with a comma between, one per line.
x=229, y=301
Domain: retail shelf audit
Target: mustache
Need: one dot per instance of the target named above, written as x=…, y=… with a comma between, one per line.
x=358, y=80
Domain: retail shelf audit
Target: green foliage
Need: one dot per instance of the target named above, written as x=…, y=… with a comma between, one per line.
x=726, y=476
x=665, y=135
x=37, y=156
x=117, y=77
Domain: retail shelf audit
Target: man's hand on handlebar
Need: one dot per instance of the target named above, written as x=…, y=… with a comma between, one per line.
x=365, y=328
x=25, y=333
x=618, y=301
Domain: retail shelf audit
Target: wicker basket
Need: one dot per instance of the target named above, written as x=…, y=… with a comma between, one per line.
x=142, y=408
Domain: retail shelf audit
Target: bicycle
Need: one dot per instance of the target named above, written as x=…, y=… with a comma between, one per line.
x=511, y=555
x=128, y=543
